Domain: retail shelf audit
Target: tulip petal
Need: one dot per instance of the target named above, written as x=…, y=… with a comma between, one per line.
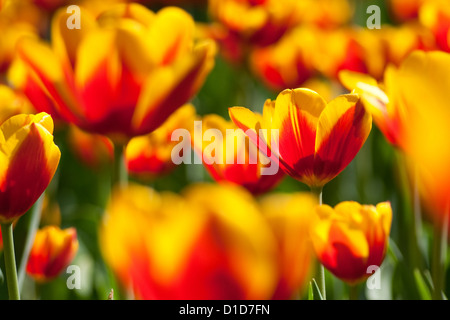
x=57, y=81
x=295, y=115
x=65, y=41
x=343, y=128
x=175, y=86
x=171, y=35
x=258, y=129
x=247, y=121
x=132, y=11
x=351, y=79
x=32, y=161
x=15, y=123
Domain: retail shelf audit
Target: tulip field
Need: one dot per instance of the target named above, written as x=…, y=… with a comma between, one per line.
x=224, y=150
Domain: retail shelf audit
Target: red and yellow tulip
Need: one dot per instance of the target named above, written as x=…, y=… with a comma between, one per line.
x=94, y=150
x=29, y=159
x=325, y=14
x=53, y=249
x=435, y=15
x=12, y=103
x=422, y=81
x=291, y=219
x=287, y=63
x=201, y=245
x=387, y=108
x=313, y=140
x=122, y=74
x=265, y=21
x=403, y=10
x=234, y=158
x=351, y=237
x=151, y=155
x=11, y=34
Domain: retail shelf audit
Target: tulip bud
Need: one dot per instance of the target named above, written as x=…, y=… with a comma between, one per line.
x=53, y=249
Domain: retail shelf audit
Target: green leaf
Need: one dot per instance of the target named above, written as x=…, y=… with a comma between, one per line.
x=314, y=292
x=310, y=291
x=422, y=287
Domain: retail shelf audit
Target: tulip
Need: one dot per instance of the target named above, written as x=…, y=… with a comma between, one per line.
x=265, y=21
x=342, y=49
x=122, y=74
x=30, y=159
x=235, y=158
x=151, y=155
x=290, y=218
x=12, y=103
x=435, y=15
x=52, y=251
x=350, y=238
x=93, y=150
x=286, y=64
x=400, y=41
x=422, y=82
x=388, y=111
x=312, y=140
x=201, y=245
x=325, y=14
x=27, y=82
x=403, y=10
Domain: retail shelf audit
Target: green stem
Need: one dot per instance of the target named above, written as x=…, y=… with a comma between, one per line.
x=10, y=261
x=353, y=292
x=320, y=270
x=411, y=213
x=120, y=172
x=438, y=258
x=32, y=223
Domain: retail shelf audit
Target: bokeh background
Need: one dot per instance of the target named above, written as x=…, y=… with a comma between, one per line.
x=79, y=191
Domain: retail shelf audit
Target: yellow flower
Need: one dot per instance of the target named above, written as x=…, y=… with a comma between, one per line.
x=423, y=81
x=234, y=158
x=122, y=74
x=151, y=155
x=28, y=161
x=351, y=237
x=291, y=219
x=53, y=249
x=313, y=140
x=201, y=245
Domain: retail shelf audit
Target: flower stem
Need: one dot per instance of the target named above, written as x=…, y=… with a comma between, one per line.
x=320, y=271
x=32, y=220
x=439, y=257
x=353, y=292
x=120, y=172
x=10, y=261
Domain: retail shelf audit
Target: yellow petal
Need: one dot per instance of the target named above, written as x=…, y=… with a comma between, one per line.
x=97, y=48
x=384, y=211
x=15, y=123
x=291, y=102
x=351, y=80
x=333, y=113
x=65, y=41
x=171, y=35
x=176, y=84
